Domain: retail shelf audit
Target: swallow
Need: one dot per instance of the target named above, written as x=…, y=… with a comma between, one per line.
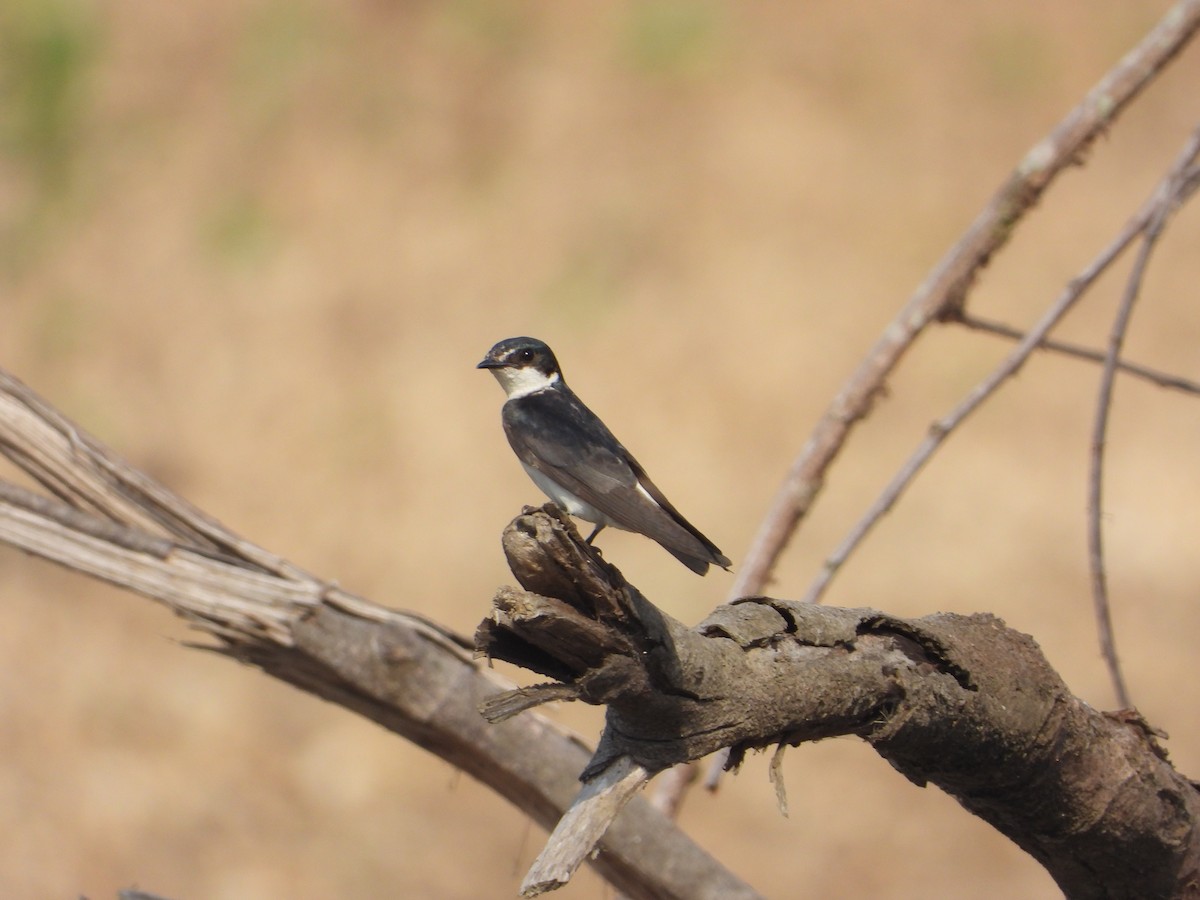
x=574, y=459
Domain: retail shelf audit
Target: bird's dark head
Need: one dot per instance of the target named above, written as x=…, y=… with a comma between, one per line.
x=522, y=365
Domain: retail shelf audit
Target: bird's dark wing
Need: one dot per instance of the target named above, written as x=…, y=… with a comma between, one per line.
x=712, y=554
x=545, y=431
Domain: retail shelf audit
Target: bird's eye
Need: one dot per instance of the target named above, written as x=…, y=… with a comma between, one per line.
x=525, y=355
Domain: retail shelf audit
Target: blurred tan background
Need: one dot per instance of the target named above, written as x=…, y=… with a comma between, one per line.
x=257, y=246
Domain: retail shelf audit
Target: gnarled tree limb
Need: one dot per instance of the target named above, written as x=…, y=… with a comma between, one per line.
x=962, y=702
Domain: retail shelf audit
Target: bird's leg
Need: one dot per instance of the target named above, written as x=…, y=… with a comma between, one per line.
x=592, y=536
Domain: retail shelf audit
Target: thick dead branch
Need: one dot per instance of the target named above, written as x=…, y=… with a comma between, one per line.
x=962, y=702
x=404, y=672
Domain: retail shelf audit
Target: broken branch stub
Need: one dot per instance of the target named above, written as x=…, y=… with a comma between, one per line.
x=962, y=702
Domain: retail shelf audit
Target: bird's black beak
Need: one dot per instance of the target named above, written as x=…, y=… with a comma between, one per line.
x=489, y=363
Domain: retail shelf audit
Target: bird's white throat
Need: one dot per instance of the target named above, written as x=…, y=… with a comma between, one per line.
x=523, y=382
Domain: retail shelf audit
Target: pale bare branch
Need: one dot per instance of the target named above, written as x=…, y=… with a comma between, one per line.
x=1150, y=212
x=945, y=288
x=403, y=671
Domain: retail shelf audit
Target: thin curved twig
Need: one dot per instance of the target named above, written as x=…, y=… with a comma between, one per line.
x=1079, y=351
x=945, y=288
x=941, y=429
x=1174, y=190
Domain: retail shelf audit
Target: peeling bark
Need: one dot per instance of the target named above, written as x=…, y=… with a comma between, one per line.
x=961, y=702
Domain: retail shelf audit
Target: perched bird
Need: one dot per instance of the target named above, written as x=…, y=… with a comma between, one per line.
x=573, y=457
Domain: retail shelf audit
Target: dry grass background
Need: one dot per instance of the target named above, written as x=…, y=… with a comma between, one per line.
x=258, y=245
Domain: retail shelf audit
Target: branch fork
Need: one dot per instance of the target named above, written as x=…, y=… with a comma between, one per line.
x=961, y=702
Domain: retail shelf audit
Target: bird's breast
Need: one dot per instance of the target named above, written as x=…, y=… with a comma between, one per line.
x=568, y=501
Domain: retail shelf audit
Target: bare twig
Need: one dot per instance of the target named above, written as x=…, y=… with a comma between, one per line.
x=941, y=429
x=945, y=288
x=1173, y=191
x=1154, y=376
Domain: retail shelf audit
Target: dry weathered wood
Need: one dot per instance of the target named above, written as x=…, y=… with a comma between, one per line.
x=581, y=827
x=403, y=671
x=961, y=702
